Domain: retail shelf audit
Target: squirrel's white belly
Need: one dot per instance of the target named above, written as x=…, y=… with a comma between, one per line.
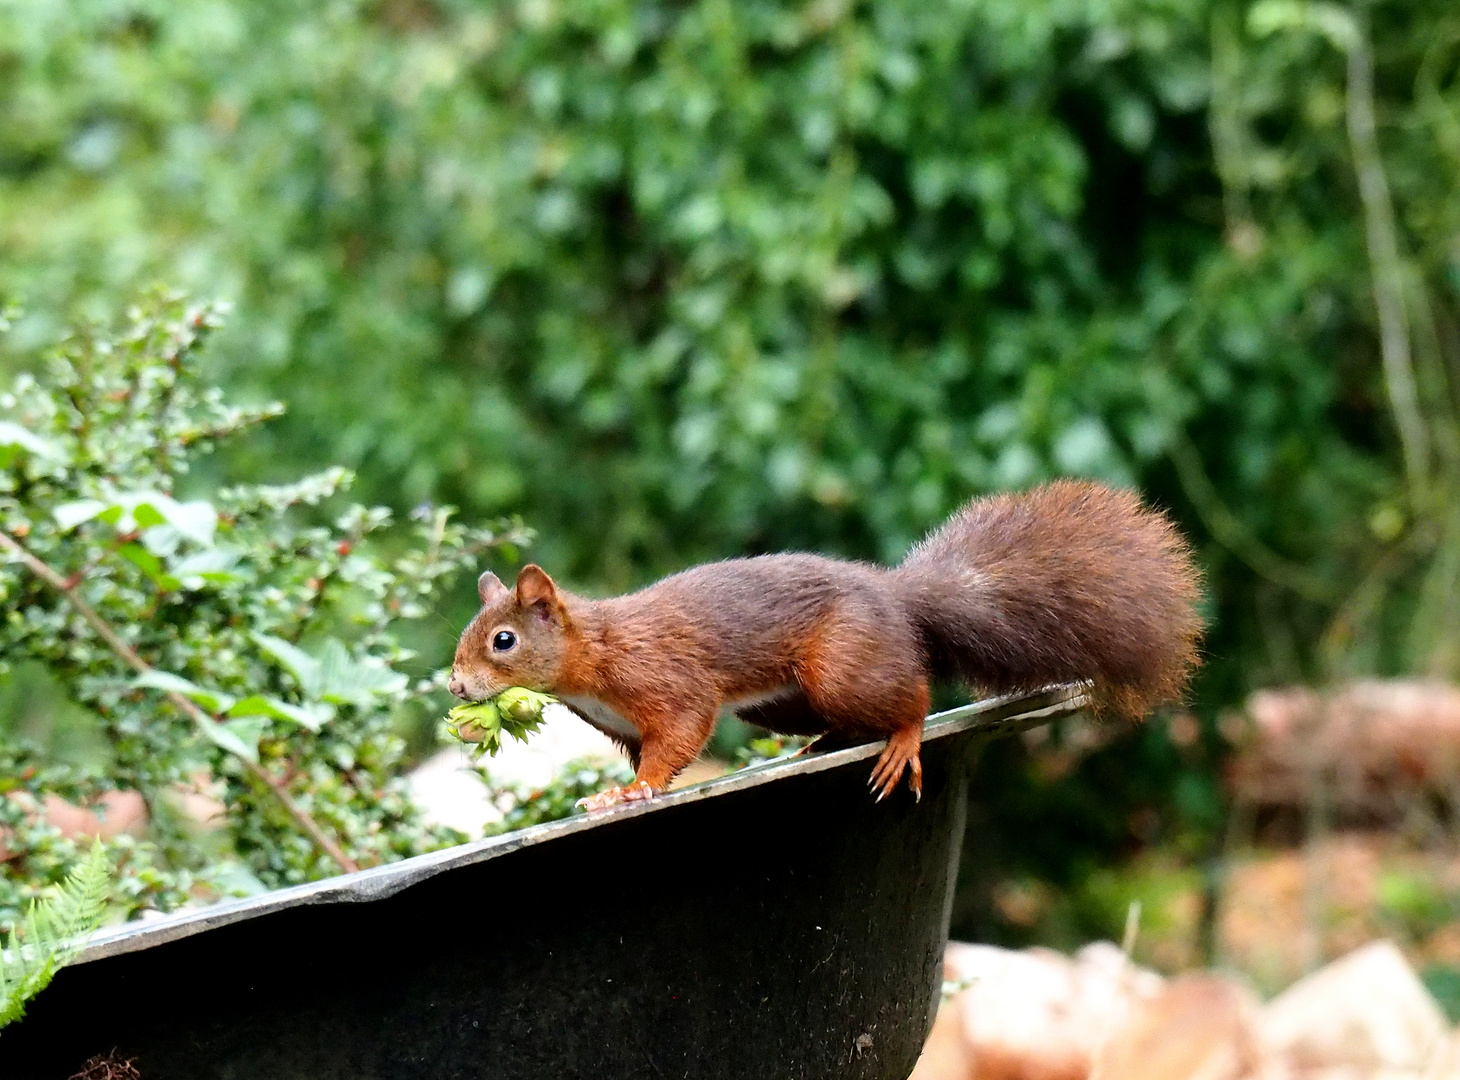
x=604, y=719
x=615, y=726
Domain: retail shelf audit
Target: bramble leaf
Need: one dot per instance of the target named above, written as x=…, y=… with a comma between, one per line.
x=212, y=700
x=260, y=705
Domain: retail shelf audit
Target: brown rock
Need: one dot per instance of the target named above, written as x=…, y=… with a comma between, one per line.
x=1037, y=1015
x=1366, y=1012
x=946, y=1055
x=1199, y=1027
x=114, y=813
x=1444, y=1063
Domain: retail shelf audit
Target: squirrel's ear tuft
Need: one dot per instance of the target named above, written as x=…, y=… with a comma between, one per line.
x=534, y=588
x=490, y=588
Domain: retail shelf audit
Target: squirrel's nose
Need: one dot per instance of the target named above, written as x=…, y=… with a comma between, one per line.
x=456, y=686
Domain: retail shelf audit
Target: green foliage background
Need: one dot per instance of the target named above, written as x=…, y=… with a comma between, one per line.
x=682, y=280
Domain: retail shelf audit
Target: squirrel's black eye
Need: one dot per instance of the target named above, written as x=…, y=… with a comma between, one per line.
x=503, y=640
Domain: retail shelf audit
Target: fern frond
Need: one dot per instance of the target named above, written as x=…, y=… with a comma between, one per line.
x=50, y=934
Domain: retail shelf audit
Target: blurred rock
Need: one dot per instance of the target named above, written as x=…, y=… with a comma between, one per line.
x=1361, y=1014
x=447, y=789
x=946, y=1054
x=1375, y=746
x=1037, y=1015
x=1444, y=1064
x=1199, y=1027
x=202, y=800
x=114, y=813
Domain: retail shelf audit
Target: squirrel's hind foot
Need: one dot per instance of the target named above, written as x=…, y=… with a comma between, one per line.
x=900, y=753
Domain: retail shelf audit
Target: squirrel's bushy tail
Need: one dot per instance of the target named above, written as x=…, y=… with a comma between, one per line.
x=1070, y=581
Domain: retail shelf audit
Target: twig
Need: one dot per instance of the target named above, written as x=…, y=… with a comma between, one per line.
x=1232, y=534
x=1388, y=264
x=111, y=549
x=1314, y=851
x=131, y=657
x=1336, y=640
x=1132, y=929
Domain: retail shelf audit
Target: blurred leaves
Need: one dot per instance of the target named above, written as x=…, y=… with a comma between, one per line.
x=283, y=631
x=680, y=280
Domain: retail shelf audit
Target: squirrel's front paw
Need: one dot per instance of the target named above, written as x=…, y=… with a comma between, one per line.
x=604, y=800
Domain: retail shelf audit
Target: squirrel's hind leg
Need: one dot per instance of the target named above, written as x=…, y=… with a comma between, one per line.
x=867, y=693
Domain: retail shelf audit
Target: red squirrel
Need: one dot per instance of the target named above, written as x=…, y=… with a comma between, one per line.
x=1067, y=582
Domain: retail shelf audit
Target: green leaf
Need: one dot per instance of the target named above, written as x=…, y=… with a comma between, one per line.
x=214, y=560
x=305, y=668
x=198, y=521
x=149, y=564
x=14, y=438
x=238, y=737
x=346, y=681
x=211, y=566
x=146, y=516
x=259, y=705
x=50, y=934
x=1332, y=21
x=212, y=700
x=233, y=878
x=69, y=515
x=141, y=510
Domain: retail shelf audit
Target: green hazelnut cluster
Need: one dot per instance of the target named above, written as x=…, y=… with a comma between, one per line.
x=516, y=711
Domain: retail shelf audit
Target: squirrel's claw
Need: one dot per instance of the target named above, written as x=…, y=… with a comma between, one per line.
x=901, y=753
x=611, y=797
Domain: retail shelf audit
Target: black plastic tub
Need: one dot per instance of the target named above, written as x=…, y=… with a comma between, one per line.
x=773, y=923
